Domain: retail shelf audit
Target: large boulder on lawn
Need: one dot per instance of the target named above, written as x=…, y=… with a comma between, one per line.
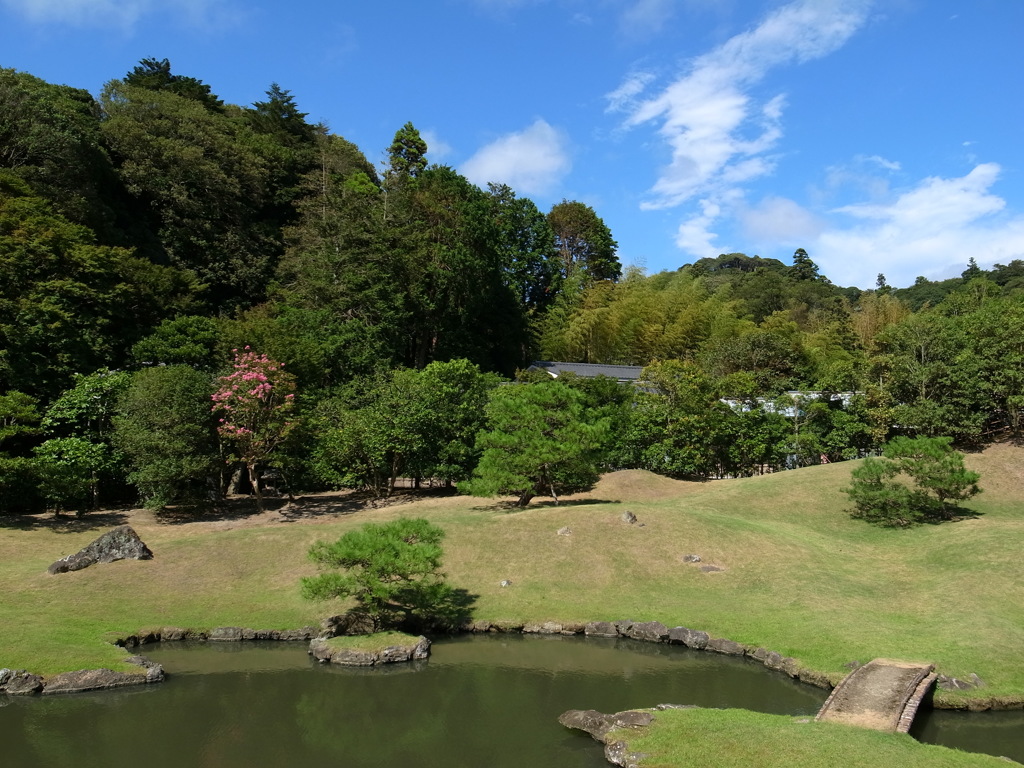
x=121, y=543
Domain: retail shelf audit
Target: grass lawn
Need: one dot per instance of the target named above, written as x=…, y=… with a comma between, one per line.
x=736, y=738
x=374, y=643
x=799, y=576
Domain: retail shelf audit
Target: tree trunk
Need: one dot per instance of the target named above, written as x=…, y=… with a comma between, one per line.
x=524, y=499
x=255, y=480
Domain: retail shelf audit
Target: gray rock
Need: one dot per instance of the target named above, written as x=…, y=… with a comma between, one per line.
x=691, y=638
x=226, y=634
x=772, y=660
x=173, y=633
x=505, y=583
x=650, y=631
x=628, y=517
x=23, y=683
x=5, y=675
x=93, y=679
x=954, y=684
x=418, y=648
x=565, y=531
x=598, y=724
x=728, y=647
x=601, y=629
x=121, y=543
x=711, y=569
x=547, y=628
x=691, y=558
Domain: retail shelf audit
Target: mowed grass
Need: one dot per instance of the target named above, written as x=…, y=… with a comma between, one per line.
x=799, y=576
x=736, y=738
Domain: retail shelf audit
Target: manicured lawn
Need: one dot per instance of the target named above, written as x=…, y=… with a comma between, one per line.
x=736, y=738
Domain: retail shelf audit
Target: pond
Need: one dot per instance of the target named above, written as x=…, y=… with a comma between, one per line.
x=480, y=700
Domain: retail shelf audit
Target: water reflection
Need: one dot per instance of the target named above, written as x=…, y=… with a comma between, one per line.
x=491, y=700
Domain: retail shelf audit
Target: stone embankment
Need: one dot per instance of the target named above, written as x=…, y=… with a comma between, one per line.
x=416, y=649
x=656, y=632
x=21, y=683
x=610, y=730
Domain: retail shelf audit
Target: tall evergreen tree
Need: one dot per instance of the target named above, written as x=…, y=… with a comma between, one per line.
x=584, y=242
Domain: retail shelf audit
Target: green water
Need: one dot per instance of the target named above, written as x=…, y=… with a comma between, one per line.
x=479, y=701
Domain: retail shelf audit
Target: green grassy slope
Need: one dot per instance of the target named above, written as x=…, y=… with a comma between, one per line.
x=799, y=576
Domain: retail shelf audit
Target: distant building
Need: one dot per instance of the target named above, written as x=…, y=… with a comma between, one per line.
x=799, y=399
x=624, y=374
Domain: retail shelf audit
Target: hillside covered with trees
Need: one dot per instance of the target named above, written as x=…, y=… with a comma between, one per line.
x=162, y=251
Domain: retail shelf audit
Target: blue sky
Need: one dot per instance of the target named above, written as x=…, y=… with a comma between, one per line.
x=879, y=136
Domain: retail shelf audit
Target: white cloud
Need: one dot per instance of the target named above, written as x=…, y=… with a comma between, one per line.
x=623, y=98
x=779, y=220
x=706, y=114
x=889, y=165
x=531, y=161
x=437, y=148
x=645, y=17
x=118, y=13
x=720, y=136
x=930, y=230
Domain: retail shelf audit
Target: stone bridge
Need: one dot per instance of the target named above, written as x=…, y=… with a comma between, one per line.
x=884, y=695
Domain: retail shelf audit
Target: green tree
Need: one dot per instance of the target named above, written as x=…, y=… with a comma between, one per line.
x=67, y=305
x=388, y=569
x=680, y=427
x=19, y=477
x=80, y=451
x=406, y=155
x=584, y=242
x=935, y=478
x=165, y=429
x=405, y=423
x=526, y=247
x=50, y=137
x=803, y=268
x=156, y=75
x=188, y=340
x=199, y=186
x=538, y=441
x=69, y=469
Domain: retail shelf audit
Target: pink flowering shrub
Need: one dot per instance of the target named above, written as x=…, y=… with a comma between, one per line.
x=256, y=401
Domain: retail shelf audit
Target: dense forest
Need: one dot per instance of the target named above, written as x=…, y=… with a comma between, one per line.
x=162, y=251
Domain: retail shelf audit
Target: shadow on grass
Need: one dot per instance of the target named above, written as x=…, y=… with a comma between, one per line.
x=510, y=507
x=305, y=507
x=443, y=609
x=90, y=521
x=954, y=515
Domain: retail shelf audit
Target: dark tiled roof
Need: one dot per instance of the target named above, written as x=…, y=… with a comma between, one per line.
x=589, y=370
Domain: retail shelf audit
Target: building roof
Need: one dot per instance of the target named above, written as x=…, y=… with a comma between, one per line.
x=621, y=373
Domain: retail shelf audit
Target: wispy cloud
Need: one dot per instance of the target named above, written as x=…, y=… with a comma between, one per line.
x=643, y=18
x=931, y=230
x=779, y=220
x=437, y=148
x=719, y=135
x=123, y=14
x=531, y=161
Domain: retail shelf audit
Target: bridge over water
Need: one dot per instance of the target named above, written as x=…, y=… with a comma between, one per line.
x=884, y=695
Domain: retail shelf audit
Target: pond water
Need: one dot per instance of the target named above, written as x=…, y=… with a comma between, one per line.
x=479, y=700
